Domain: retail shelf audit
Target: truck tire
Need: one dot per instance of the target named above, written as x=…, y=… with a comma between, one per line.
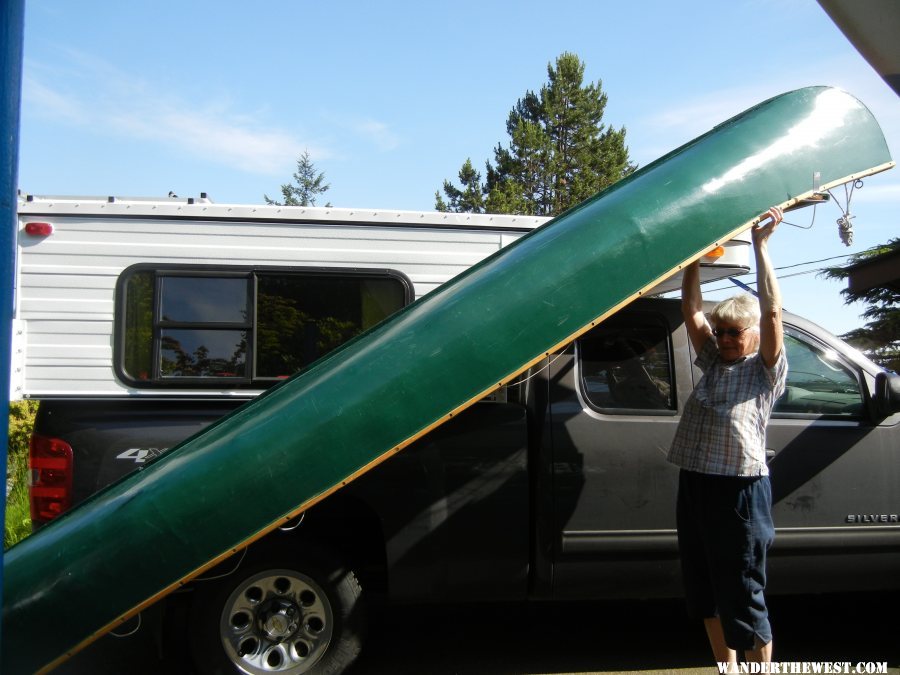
x=289, y=615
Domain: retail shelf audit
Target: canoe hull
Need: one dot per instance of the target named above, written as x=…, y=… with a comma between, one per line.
x=309, y=436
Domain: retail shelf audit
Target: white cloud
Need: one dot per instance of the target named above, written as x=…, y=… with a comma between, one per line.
x=652, y=136
x=680, y=122
x=49, y=102
x=127, y=106
x=695, y=117
x=377, y=133
x=211, y=135
x=877, y=191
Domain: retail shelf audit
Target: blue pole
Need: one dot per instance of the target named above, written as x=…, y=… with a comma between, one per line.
x=12, y=27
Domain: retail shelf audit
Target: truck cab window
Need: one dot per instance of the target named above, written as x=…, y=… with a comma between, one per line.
x=818, y=383
x=625, y=364
x=251, y=327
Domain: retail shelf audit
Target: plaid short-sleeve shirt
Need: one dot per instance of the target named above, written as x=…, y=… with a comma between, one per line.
x=723, y=427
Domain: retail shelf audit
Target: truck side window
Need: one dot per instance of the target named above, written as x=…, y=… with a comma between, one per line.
x=625, y=363
x=180, y=325
x=818, y=383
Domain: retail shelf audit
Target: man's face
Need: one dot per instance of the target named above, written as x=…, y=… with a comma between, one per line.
x=734, y=340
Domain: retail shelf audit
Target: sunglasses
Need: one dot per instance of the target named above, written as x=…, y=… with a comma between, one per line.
x=730, y=332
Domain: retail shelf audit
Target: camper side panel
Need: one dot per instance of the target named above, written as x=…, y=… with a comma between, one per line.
x=67, y=279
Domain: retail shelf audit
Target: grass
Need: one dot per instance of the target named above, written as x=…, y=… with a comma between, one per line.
x=18, y=515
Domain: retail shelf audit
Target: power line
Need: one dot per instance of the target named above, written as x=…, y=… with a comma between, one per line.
x=802, y=264
x=874, y=249
x=813, y=262
x=782, y=276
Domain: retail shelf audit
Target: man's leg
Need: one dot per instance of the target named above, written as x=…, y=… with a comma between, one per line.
x=721, y=651
x=761, y=653
x=691, y=514
x=739, y=570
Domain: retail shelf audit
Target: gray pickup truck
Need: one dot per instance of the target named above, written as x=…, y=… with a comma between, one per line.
x=558, y=488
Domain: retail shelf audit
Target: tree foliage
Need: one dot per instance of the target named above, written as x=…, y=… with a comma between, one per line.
x=21, y=424
x=879, y=339
x=18, y=516
x=469, y=199
x=559, y=152
x=309, y=184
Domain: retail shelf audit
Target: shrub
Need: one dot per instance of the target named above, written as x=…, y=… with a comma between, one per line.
x=18, y=515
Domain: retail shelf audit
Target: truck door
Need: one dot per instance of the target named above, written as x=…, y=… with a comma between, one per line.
x=835, y=475
x=614, y=401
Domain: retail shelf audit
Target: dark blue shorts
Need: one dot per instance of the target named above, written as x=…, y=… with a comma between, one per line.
x=724, y=530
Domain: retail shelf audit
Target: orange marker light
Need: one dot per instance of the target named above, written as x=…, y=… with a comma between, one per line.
x=717, y=252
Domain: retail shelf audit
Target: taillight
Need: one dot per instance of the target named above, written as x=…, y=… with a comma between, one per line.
x=51, y=478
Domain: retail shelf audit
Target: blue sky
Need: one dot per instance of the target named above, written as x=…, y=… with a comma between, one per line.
x=390, y=97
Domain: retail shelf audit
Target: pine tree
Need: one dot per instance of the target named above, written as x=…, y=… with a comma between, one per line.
x=559, y=154
x=309, y=185
x=467, y=200
x=879, y=339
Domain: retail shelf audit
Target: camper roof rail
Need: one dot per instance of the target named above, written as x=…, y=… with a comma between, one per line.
x=112, y=199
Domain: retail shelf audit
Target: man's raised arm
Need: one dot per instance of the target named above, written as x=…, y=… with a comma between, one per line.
x=771, y=331
x=692, y=307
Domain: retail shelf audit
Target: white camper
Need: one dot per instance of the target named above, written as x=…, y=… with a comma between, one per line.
x=112, y=293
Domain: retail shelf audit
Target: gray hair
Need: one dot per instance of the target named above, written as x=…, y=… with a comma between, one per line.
x=742, y=309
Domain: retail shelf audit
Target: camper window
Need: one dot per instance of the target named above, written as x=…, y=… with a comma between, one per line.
x=199, y=326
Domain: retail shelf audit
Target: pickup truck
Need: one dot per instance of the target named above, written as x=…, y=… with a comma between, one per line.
x=556, y=488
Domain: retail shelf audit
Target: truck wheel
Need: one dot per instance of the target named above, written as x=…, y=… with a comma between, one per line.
x=285, y=616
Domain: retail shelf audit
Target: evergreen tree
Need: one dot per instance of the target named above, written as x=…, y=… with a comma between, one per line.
x=467, y=200
x=309, y=185
x=879, y=339
x=559, y=154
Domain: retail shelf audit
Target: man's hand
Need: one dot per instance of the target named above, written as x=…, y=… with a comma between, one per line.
x=766, y=226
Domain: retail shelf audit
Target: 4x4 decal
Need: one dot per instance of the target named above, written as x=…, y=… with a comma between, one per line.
x=140, y=455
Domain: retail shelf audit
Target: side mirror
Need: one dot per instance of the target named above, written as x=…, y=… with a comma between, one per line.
x=887, y=394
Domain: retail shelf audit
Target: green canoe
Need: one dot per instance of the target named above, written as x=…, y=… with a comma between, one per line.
x=143, y=537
